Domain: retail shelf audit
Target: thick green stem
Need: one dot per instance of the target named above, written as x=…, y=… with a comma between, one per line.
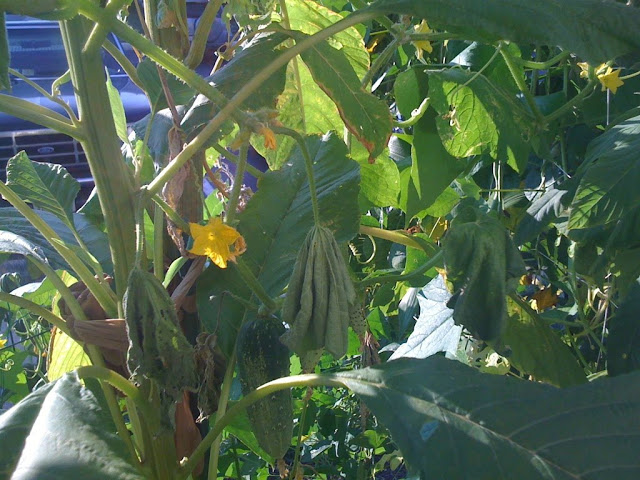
x=567, y=107
x=25, y=110
x=200, y=37
x=522, y=86
x=255, y=286
x=391, y=235
x=102, y=148
x=311, y=380
x=112, y=378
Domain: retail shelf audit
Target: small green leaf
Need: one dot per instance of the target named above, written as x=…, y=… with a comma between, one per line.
x=450, y=421
x=47, y=186
x=380, y=181
x=117, y=109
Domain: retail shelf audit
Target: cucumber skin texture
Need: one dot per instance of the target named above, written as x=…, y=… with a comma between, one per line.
x=261, y=357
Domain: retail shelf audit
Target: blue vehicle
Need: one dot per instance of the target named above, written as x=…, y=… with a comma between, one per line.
x=37, y=53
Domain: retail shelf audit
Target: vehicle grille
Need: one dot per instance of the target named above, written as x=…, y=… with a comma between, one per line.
x=46, y=146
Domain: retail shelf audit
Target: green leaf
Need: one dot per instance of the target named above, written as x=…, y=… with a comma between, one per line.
x=15, y=244
x=536, y=350
x=47, y=186
x=13, y=379
x=65, y=356
x=435, y=331
x=623, y=343
x=380, y=181
x=477, y=117
x=15, y=425
x=275, y=223
x=596, y=31
x=450, y=421
x=95, y=239
x=246, y=63
x=481, y=263
x=315, y=112
x=117, y=109
x=365, y=116
x=608, y=188
x=62, y=432
x=150, y=78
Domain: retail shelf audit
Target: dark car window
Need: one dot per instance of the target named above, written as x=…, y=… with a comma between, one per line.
x=37, y=51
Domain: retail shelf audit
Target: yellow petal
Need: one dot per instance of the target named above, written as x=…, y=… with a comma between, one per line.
x=610, y=79
x=584, y=66
x=214, y=241
x=422, y=45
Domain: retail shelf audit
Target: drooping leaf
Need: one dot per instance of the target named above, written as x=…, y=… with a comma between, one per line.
x=477, y=117
x=603, y=197
x=537, y=350
x=435, y=331
x=365, y=116
x=623, y=343
x=95, y=239
x=481, y=263
x=450, y=421
x=47, y=186
x=274, y=225
x=61, y=432
x=596, y=31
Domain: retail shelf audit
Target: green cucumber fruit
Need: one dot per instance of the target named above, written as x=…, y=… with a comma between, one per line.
x=262, y=358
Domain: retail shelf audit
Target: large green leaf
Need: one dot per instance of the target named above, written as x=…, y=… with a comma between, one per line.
x=536, y=350
x=63, y=432
x=302, y=105
x=452, y=422
x=623, y=343
x=483, y=265
x=365, y=116
x=47, y=186
x=246, y=63
x=274, y=225
x=608, y=189
x=432, y=168
x=379, y=181
x=477, y=117
x=597, y=31
x=95, y=239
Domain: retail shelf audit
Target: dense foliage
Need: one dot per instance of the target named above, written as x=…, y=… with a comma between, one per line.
x=441, y=262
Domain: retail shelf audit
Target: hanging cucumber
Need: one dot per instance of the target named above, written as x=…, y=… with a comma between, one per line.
x=262, y=358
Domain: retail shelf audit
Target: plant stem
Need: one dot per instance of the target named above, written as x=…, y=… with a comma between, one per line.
x=255, y=286
x=308, y=163
x=416, y=115
x=522, y=86
x=382, y=59
x=432, y=262
x=310, y=380
x=238, y=179
x=39, y=115
x=200, y=37
x=542, y=65
x=391, y=235
x=586, y=91
x=112, y=378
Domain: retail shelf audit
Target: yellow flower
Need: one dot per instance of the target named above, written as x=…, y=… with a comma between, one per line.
x=610, y=79
x=3, y=342
x=219, y=242
x=422, y=45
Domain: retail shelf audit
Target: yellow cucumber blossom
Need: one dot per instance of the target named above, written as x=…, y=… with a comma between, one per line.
x=219, y=242
x=422, y=45
x=269, y=137
x=3, y=342
x=608, y=77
